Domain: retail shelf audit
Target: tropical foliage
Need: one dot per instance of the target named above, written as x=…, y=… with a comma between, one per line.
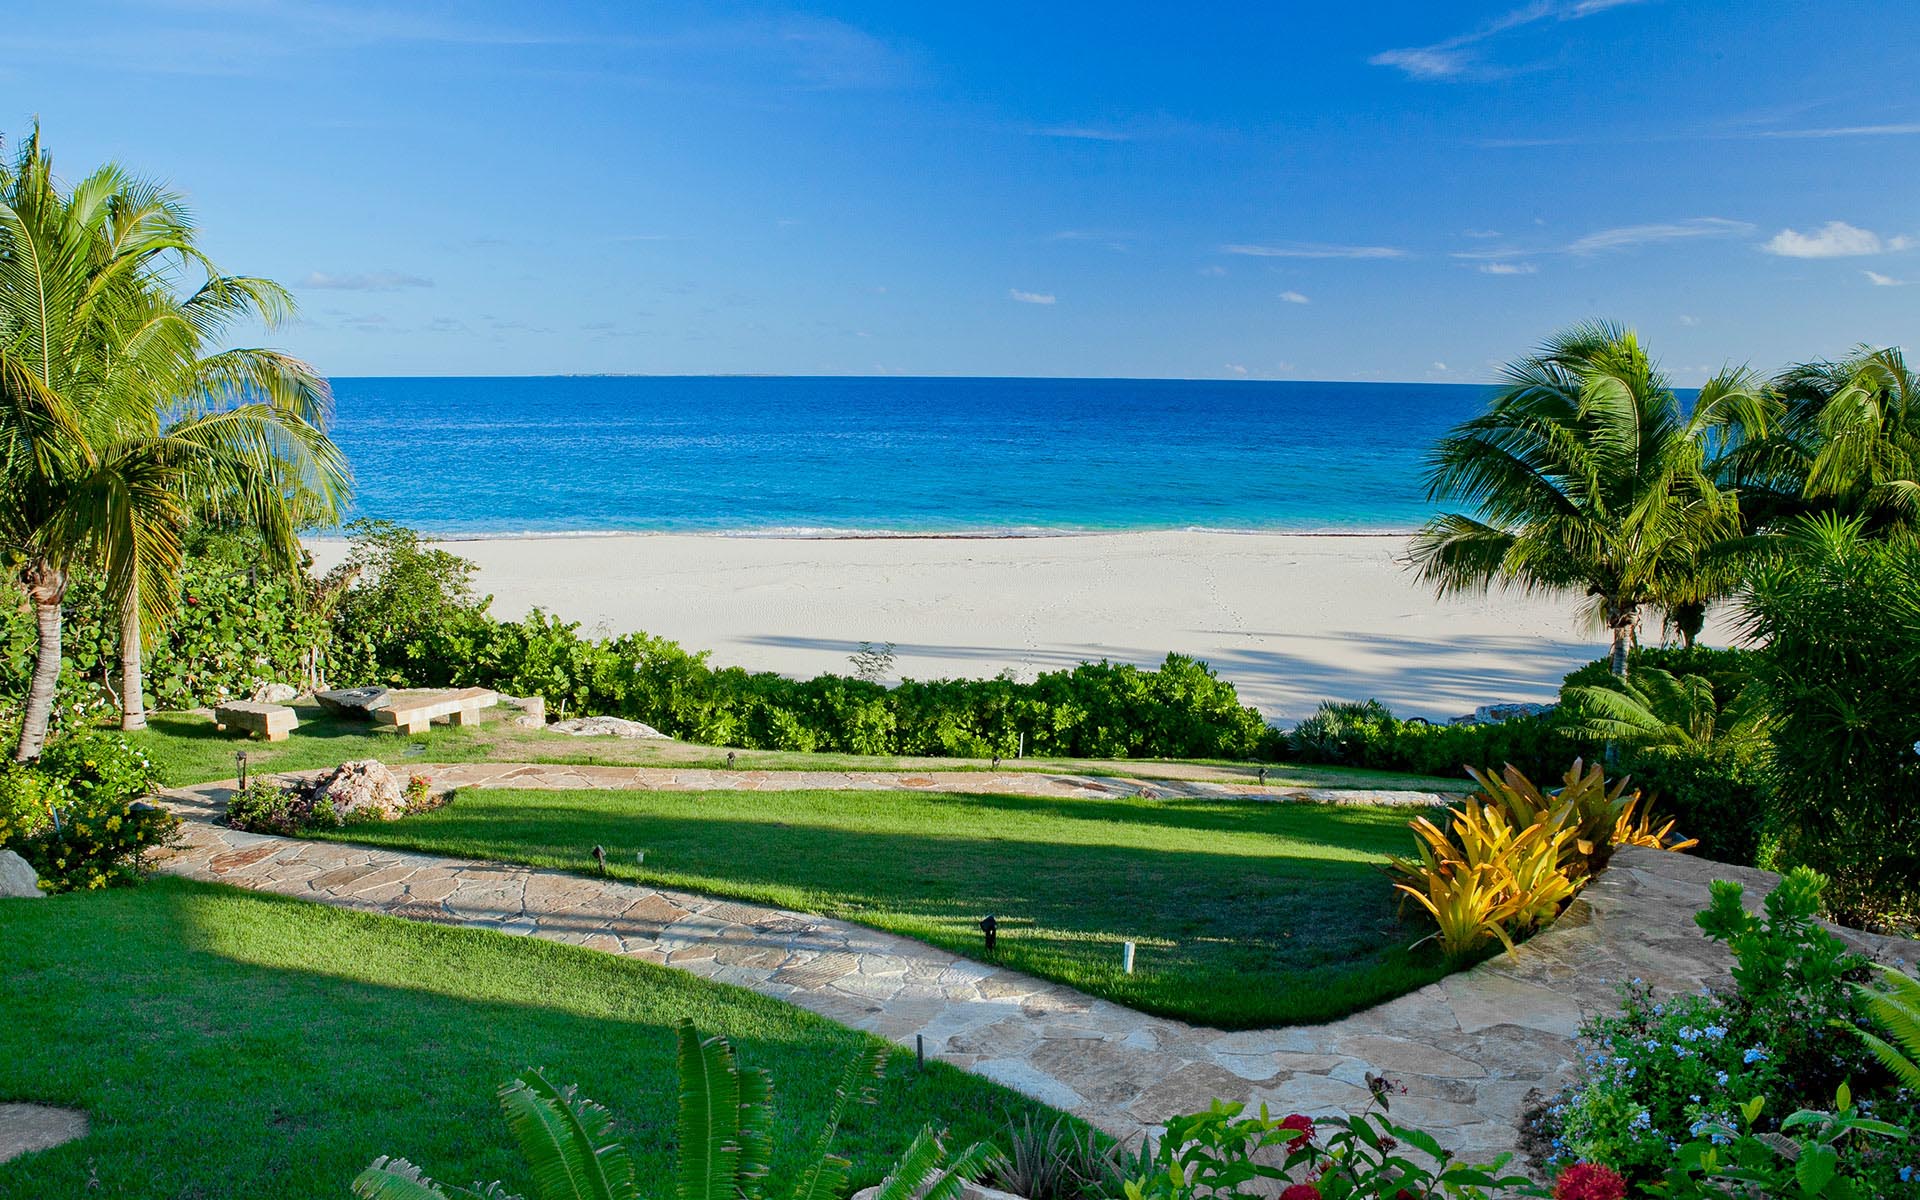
x=1729, y=1092
x=725, y=1136
x=1510, y=857
x=1587, y=476
x=118, y=419
x=77, y=815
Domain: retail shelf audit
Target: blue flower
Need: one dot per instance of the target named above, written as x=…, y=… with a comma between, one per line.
x=1753, y=1055
x=1721, y=1079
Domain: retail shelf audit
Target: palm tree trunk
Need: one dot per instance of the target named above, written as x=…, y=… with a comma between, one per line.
x=1622, y=637
x=46, y=587
x=133, y=700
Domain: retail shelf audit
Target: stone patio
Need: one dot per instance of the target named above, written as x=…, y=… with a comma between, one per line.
x=1468, y=1049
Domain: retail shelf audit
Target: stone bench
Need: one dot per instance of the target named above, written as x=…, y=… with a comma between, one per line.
x=415, y=714
x=273, y=722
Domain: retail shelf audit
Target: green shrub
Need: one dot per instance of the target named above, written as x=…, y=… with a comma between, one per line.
x=1839, y=618
x=267, y=806
x=76, y=814
x=1664, y=1073
x=1716, y=795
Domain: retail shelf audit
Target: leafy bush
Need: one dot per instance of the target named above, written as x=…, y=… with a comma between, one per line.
x=1839, y=616
x=1808, y=1157
x=725, y=1131
x=267, y=806
x=1369, y=735
x=76, y=814
x=1662, y=1075
x=1224, y=1154
x=1511, y=856
x=1060, y=1160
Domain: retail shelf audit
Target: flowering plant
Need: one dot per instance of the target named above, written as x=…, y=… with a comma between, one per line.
x=1805, y=1159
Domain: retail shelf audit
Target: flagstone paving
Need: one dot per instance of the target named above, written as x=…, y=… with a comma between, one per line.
x=1468, y=1050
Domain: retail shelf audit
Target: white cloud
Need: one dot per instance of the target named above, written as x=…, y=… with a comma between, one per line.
x=1213, y=271
x=1031, y=297
x=1688, y=320
x=1481, y=234
x=1312, y=250
x=1234, y=369
x=1438, y=365
x=1879, y=280
x=1084, y=133
x=1628, y=236
x=1460, y=57
x=1507, y=268
x=1842, y=131
x=371, y=281
x=1293, y=297
x=1835, y=239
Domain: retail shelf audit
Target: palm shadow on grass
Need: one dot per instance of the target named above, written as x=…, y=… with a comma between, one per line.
x=227, y=1043
x=1244, y=915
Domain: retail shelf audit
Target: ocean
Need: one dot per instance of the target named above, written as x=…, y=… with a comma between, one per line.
x=469, y=457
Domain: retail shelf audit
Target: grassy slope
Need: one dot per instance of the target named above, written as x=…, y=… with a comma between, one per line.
x=189, y=750
x=236, y=1045
x=1245, y=914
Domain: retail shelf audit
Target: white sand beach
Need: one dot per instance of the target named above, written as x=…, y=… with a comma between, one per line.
x=1291, y=619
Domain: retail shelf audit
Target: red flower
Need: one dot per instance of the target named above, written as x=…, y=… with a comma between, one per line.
x=1301, y=1191
x=1589, y=1181
x=1302, y=1125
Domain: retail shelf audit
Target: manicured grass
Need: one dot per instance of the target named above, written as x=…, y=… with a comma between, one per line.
x=189, y=750
x=1245, y=914
x=228, y=1044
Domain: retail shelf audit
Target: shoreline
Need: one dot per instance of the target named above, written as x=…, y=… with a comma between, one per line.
x=865, y=535
x=1290, y=618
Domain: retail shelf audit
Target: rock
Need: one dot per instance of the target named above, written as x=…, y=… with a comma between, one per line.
x=17, y=879
x=618, y=727
x=362, y=789
x=533, y=711
x=26, y=1128
x=1493, y=714
x=353, y=702
x=266, y=692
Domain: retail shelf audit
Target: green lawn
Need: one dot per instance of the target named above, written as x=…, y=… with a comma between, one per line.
x=189, y=750
x=1245, y=914
x=229, y=1044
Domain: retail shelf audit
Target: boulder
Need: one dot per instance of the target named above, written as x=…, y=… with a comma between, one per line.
x=532, y=711
x=363, y=789
x=17, y=879
x=266, y=692
x=353, y=702
x=618, y=727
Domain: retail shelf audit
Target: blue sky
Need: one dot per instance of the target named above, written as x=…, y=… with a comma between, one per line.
x=1409, y=191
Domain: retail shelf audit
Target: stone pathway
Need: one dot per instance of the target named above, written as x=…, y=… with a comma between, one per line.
x=1468, y=1049
x=26, y=1128
x=997, y=783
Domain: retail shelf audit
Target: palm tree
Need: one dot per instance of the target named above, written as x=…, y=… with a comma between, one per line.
x=1585, y=475
x=93, y=471
x=1846, y=441
x=258, y=420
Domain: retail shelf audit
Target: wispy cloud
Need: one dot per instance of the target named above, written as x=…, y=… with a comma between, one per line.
x=1507, y=268
x=1879, y=280
x=1292, y=297
x=1213, y=270
x=1835, y=239
x=1897, y=129
x=369, y=281
x=1462, y=55
x=1030, y=297
x=1311, y=250
x=1083, y=133
x=1628, y=236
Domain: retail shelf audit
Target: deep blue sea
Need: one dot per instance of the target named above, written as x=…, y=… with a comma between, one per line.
x=471, y=456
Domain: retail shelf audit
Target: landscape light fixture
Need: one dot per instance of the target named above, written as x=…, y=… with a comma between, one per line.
x=1263, y=777
x=600, y=858
x=729, y=760
x=991, y=927
x=240, y=763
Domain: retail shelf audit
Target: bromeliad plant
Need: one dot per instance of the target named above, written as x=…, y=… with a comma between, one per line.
x=725, y=1139
x=1508, y=859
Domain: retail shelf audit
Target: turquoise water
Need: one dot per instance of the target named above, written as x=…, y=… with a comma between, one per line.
x=475, y=456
